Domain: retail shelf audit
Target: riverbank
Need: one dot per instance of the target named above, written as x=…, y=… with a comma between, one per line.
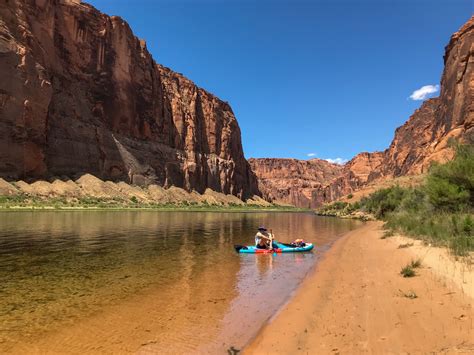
x=90, y=193
x=357, y=301
x=439, y=210
x=157, y=208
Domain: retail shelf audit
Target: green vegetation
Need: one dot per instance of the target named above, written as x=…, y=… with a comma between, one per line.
x=339, y=209
x=415, y=263
x=27, y=202
x=407, y=271
x=384, y=201
x=440, y=211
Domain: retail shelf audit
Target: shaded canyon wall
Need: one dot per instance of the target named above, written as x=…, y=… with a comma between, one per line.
x=79, y=93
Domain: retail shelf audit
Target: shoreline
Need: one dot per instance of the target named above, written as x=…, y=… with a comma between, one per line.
x=90, y=193
x=355, y=300
x=177, y=208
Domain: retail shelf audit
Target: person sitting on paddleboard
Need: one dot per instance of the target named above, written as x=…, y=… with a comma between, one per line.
x=263, y=239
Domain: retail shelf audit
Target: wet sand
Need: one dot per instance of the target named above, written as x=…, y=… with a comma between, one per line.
x=355, y=302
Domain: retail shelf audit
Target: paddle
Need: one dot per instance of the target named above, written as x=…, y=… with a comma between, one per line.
x=238, y=247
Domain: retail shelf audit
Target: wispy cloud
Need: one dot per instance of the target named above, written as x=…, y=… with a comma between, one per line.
x=423, y=92
x=339, y=161
x=311, y=154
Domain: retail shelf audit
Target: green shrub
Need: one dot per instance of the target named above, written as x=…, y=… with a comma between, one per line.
x=468, y=225
x=445, y=195
x=451, y=185
x=407, y=271
x=339, y=205
x=440, y=211
x=415, y=263
x=414, y=201
x=383, y=201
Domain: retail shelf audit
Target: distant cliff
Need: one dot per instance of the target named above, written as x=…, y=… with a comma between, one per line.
x=420, y=141
x=79, y=93
x=293, y=181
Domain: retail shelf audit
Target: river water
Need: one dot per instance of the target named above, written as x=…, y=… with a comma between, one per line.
x=145, y=281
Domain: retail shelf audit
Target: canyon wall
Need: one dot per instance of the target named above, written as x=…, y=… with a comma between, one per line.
x=79, y=93
x=424, y=137
x=422, y=140
x=292, y=181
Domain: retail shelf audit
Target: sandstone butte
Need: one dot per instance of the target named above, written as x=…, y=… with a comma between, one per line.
x=420, y=141
x=80, y=94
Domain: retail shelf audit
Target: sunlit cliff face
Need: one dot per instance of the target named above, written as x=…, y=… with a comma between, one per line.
x=420, y=141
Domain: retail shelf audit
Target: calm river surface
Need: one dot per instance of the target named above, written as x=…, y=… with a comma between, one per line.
x=144, y=281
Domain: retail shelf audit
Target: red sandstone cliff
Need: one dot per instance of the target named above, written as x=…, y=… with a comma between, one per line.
x=292, y=181
x=420, y=141
x=310, y=183
x=80, y=93
x=424, y=137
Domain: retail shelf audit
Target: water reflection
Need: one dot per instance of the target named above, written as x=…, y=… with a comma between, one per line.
x=264, y=263
x=108, y=277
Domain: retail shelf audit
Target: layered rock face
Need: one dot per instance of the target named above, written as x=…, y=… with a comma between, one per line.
x=356, y=173
x=292, y=181
x=424, y=137
x=420, y=141
x=79, y=93
x=310, y=183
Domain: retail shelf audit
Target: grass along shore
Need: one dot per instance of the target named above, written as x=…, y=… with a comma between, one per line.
x=439, y=211
x=26, y=203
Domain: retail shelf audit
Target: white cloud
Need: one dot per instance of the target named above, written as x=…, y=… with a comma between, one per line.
x=311, y=154
x=339, y=161
x=423, y=92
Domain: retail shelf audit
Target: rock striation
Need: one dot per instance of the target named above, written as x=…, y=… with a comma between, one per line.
x=423, y=139
x=292, y=181
x=79, y=93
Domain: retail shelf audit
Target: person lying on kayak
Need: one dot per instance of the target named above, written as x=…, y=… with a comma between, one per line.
x=263, y=239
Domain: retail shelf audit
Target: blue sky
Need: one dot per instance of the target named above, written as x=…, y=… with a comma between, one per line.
x=330, y=78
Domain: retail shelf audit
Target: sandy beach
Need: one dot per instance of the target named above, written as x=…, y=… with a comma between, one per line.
x=356, y=301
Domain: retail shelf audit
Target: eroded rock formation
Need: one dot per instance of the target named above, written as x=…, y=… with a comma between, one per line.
x=79, y=93
x=89, y=191
x=292, y=181
x=416, y=144
x=424, y=137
